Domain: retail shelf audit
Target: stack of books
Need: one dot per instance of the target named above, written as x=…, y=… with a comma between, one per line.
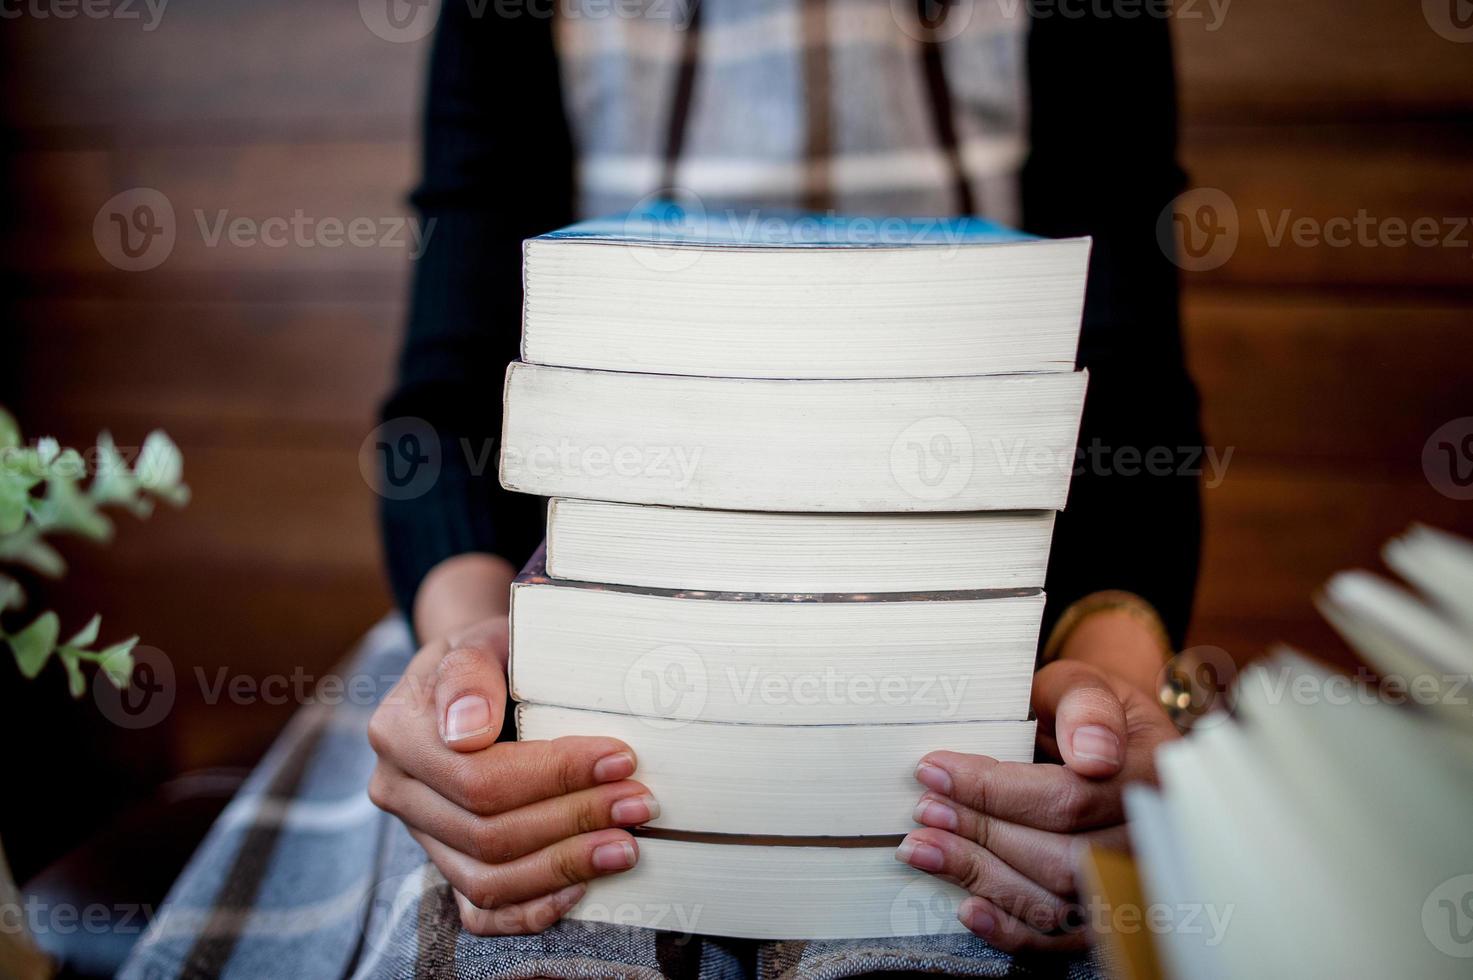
x=1324, y=826
x=803, y=473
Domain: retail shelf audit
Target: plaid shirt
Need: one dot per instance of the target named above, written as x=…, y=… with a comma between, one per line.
x=853, y=105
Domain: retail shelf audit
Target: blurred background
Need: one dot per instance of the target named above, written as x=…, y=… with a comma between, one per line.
x=1329, y=348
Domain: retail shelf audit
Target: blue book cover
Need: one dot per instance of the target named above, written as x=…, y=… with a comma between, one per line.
x=669, y=223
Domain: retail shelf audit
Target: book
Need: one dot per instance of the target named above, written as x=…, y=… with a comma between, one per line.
x=1003, y=442
x=1327, y=792
x=762, y=891
x=671, y=291
x=753, y=551
x=793, y=781
x=780, y=659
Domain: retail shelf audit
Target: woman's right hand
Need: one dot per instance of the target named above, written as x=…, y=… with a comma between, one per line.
x=517, y=828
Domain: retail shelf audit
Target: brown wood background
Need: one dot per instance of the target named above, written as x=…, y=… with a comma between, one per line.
x=1324, y=369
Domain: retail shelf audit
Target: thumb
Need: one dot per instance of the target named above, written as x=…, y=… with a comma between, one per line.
x=470, y=697
x=1078, y=703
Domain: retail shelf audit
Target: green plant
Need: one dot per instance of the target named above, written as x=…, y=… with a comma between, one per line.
x=41, y=494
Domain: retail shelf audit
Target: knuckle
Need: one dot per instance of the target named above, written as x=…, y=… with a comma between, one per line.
x=480, y=789
x=484, y=893
x=983, y=831
x=974, y=872
x=588, y=814
x=378, y=731
x=380, y=790
x=491, y=845
x=458, y=664
x=566, y=866
x=567, y=770
x=1073, y=805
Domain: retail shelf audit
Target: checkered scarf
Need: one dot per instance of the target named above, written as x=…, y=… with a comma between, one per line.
x=302, y=877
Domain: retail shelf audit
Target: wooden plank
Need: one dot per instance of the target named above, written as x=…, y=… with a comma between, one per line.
x=1275, y=533
x=209, y=65
x=1319, y=60
x=1332, y=205
x=212, y=373
x=1319, y=377
x=325, y=209
x=260, y=508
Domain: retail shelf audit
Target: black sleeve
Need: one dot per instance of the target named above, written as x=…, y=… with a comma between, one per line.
x=497, y=168
x=1103, y=163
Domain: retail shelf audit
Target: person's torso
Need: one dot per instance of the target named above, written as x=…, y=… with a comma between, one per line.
x=818, y=104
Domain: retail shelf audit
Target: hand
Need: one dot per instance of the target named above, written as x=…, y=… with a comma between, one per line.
x=517, y=828
x=1009, y=832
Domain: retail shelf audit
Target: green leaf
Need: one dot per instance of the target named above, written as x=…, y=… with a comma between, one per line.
x=76, y=683
x=47, y=449
x=17, y=477
x=27, y=547
x=9, y=430
x=12, y=596
x=117, y=662
x=34, y=644
x=160, y=469
x=87, y=635
x=67, y=509
x=113, y=482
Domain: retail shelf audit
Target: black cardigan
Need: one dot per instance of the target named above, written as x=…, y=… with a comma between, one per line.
x=498, y=168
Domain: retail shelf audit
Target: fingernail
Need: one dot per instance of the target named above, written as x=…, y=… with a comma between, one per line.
x=920, y=855
x=635, y=810
x=975, y=916
x=1097, y=744
x=467, y=715
x=934, y=778
x=934, y=813
x=620, y=765
x=614, y=857
x=569, y=896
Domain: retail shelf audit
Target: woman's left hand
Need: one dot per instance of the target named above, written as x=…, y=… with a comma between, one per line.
x=1009, y=832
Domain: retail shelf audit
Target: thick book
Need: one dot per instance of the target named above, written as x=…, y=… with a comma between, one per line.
x=760, y=891
x=998, y=442
x=778, y=659
x=1326, y=791
x=791, y=781
x=770, y=295
x=755, y=551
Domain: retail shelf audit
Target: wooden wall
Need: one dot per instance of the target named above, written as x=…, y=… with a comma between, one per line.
x=1323, y=369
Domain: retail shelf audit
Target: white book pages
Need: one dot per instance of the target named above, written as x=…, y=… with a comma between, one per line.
x=773, y=660
x=1002, y=442
x=804, y=781
x=751, y=551
x=758, y=891
x=981, y=308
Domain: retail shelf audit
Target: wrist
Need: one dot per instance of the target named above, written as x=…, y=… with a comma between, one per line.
x=460, y=591
x=1116, y=632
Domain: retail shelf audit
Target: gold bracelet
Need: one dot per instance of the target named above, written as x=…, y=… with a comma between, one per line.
x=1109, y=600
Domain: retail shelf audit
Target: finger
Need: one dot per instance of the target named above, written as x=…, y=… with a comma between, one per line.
x=506, y=836
x=549, y=870
x=1077, y=704
x=1044, y=857
x=524, y=919
x=1010, y=935
x=982, y=873
x=511, y=774
x=1047, y=797
x=470, y=697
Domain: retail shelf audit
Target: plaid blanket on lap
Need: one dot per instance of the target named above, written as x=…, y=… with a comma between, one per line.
x=302, y=876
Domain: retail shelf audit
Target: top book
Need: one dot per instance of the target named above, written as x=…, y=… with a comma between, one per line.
x=763, y=294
